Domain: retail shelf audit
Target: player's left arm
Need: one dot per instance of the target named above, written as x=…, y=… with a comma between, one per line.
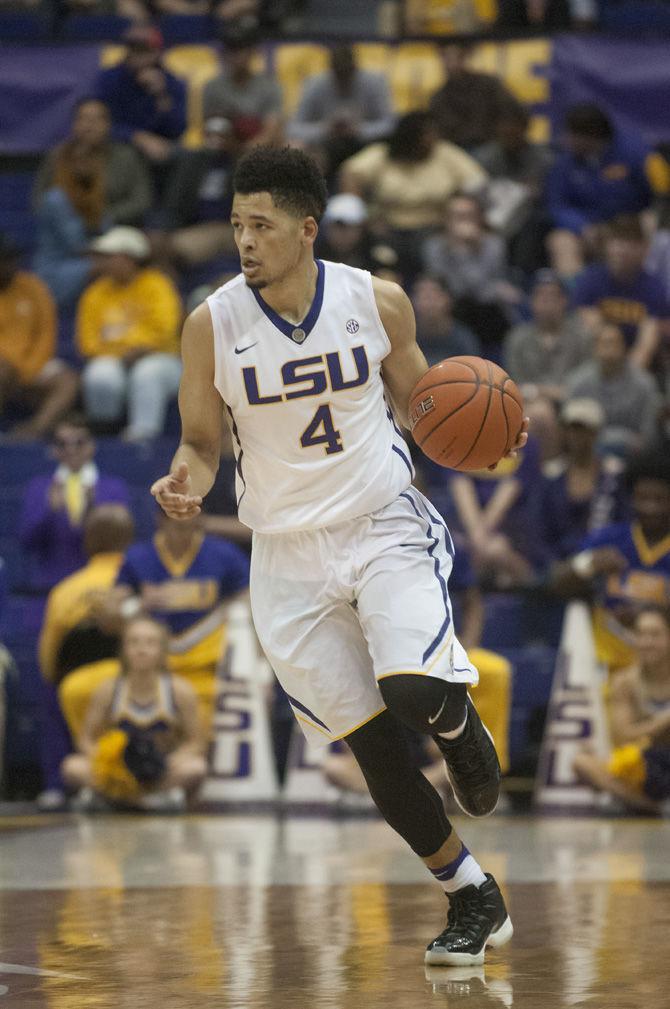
x=406, y=363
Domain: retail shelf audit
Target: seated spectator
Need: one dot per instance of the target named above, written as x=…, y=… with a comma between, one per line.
x=465, y=109
x=127, y=329
x=344, y=235
x=127, y=185
x=517, y=170
x=72, y=636
x=622, y=292
x=146, y=102
x=142, y=744
x=55, y=506
x=628, y=395
x=68, y=215
x=580, y=491
x=472, y=263
x=637, y=771
x=494, y=510
x=187, y=580
x=251, y=101
x=408, y=182
x=601, y=174
x=539, y=354
x=624, y=566
x=437, y=332
x=198, y=197
x=30, y=374
x=342, y=110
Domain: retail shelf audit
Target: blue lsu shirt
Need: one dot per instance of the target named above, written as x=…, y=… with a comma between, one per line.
x=623, y=304
x=188, y=594
x=645, y=580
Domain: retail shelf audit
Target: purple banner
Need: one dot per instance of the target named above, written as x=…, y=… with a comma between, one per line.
x=39, y=86
x=630, y=80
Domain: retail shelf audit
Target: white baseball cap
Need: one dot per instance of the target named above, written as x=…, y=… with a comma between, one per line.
x=346, y=208
x=122, y=241
x=586, y=412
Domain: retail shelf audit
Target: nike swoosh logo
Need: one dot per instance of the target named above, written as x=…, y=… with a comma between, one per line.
x=241, y=350
x=431, y=721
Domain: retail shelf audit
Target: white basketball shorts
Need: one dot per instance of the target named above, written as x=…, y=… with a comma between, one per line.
x=338, y=609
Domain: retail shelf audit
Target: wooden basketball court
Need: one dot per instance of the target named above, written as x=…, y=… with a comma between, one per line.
x=209, y=911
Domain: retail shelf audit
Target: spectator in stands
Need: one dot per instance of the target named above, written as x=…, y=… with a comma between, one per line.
x=539, y=354
x=494, y=509
x=579, y=491
x=628, y=395
x=251, y=101
x=517, y=170
x=51, y=529
x=472, y=262
x=342, y=110
x=198, y=197
x=73, y=637
x=601, y=174
x=128, y=193
x=127, y=329
x=146, y=102
x=188, y=580
x=69, y=214
x=142, y=744
x=637, y=771
x=408, y=182
x=466, y=108
x=622, y=292
x=344, y=235
x=30, y=374
x=622, y=567
x=438, y=334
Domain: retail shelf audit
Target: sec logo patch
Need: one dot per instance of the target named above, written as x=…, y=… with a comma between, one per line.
x=352, y=326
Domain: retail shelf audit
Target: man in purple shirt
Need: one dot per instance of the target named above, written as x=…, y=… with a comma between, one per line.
x=55, y=505
x=621, y=292
x=146, y=102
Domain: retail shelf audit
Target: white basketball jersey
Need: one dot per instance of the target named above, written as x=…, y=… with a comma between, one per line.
x=315, y=440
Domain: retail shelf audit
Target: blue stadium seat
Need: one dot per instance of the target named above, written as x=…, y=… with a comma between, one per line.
x=184, y=29
x=25, y=26
x=16, y=217
x=531, y=687
x=626, y=17
x=93, y=27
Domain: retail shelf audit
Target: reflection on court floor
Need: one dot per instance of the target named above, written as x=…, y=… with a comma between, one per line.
x=209, y=911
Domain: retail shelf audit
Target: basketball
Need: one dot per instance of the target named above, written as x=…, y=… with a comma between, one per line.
x=465, y=413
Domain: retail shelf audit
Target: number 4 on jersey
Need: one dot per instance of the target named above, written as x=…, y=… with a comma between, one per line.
x=322, y=420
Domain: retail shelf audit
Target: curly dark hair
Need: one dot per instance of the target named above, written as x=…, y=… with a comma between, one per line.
x=291, y=177
x=650, y=465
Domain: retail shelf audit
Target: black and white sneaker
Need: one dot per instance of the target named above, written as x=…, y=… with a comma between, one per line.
x=473, y=768
x=477, y=918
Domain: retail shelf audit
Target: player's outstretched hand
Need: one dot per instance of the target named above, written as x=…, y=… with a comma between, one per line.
x=519, y=443
x=173, y=493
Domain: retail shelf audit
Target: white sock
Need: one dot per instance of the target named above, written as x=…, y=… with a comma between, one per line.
x=463, y=871
x=455, y=733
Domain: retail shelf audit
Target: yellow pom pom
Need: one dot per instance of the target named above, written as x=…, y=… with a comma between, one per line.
x=111, y=777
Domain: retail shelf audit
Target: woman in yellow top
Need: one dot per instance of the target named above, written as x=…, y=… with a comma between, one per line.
x=127, y=325
x=638, y=769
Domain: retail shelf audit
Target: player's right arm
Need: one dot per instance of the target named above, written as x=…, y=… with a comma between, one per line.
x=196, y=461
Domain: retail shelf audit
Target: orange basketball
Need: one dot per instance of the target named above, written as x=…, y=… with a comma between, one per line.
x=465, y=413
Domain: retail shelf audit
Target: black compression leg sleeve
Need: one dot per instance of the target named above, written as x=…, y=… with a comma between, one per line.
x=406, y=800
x=425, y=703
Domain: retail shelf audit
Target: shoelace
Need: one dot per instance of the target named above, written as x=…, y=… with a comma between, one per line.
x=464, y=914
x=467, y=759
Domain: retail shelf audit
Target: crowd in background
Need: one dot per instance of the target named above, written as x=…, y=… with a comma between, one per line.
x=550, y=259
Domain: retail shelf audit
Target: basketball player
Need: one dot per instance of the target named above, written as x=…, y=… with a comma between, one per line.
x=314, y=362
